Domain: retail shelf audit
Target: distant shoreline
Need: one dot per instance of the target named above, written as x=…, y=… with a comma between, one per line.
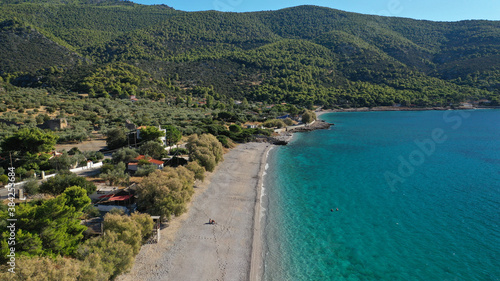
x=392, y=108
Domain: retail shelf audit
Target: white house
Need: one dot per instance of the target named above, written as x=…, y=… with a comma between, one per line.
x=162, y=139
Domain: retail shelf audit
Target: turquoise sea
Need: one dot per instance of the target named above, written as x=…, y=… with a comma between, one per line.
x=418, y=198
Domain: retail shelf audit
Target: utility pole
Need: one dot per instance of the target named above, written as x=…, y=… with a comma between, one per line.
x=128, y=139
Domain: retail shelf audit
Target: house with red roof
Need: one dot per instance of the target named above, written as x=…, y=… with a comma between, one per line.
x=133, y=165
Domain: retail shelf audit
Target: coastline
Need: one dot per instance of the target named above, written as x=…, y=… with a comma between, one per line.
x=191, y=249
x=257, y=259
x=392, y=108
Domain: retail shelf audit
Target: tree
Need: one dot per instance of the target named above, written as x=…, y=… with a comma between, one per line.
x=74, y=151
x=124, y=155
x=288, y=121
x=206, y=150
x=30, y=140
x=151, y=133
x=145, y=170
x=58, y=184
x=145, y=223
x=153, y=149
x=31, y=187
x=165, y=193
x=274, y=123
x=226, y=116
x=109, y=252
x=93, y=155
x=308, y=117
x=76, y=197
x=199, y=171
x=292, y=109
x=173, y=135
x=117, y=175
x=235, y=128
x=126, y=228
x=116, y=138
x=43, y=268
x=244, y=103
x=54, y=226
x=4, y=179
x=63, y=162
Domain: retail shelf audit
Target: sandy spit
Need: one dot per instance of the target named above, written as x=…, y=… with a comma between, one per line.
x=192, y=249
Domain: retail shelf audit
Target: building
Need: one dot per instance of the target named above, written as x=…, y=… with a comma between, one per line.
x=56, y=124
x=284, y=117
x=134, y=165
x=162, y=139
x=123, y=199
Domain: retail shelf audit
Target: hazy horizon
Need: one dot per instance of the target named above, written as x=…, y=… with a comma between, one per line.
x=438, y=10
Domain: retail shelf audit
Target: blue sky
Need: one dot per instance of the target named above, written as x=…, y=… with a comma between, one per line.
x=436, y=10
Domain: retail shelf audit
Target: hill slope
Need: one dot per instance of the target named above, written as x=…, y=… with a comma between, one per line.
x=305, y=55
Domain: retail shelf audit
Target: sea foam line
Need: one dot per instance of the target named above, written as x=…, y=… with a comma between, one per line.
x=263, y=187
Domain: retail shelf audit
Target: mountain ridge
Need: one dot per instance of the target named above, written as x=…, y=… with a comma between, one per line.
x=396, y=56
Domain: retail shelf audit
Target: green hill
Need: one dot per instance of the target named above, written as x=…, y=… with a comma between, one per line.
x=24, y=48
x=305, y=55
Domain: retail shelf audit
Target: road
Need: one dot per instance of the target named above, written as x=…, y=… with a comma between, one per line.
x=83, y=173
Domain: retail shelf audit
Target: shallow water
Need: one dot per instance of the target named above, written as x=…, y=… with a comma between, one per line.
x=418, y=195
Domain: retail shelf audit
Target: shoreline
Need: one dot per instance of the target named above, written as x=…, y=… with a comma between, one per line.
x=257, y=259
x=191, y=249
x=392, y=108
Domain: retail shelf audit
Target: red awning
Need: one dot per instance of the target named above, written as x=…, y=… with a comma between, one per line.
x=120, y=198
x=106, y=196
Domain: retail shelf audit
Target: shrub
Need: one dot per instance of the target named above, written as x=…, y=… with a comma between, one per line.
x=165, y=193
x=124, y=155
x=43, y=268
x=308, y=117
x=116, y=175
x=112, y=255
x=145, y=170
x=57, y=184
x=235, y=128
x=116, y=138
x=274, y=123
x=199, y=171
x=224, y=141
x=288, y=121
x=105, y=168
x=206, y=150
x=31, y=187
x=4, y=179
x=153, y=149
x=91, y=211
x=179, y=150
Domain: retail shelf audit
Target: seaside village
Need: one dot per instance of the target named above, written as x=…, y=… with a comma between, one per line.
x=123, y=187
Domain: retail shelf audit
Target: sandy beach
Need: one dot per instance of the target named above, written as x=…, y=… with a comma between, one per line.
x=192, y=249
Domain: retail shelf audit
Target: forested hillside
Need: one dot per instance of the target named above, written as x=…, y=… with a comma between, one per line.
x=305, y=55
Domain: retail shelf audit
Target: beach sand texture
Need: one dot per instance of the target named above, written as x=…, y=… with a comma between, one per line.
x=192, y=249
